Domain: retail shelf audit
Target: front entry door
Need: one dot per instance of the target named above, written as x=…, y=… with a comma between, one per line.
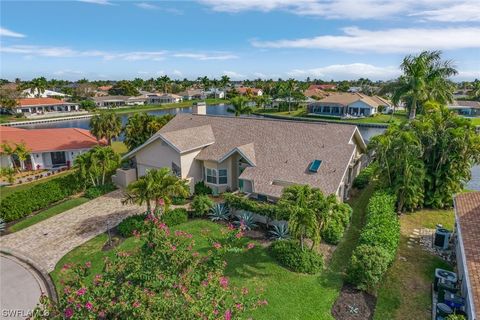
x=58, y=159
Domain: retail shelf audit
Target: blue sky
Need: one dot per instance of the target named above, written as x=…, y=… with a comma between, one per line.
x=327, y=39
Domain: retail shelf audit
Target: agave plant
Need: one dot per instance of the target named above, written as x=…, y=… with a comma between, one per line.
x=245, y=221
x=279, y=232
x=2, y=225
x=219, y=212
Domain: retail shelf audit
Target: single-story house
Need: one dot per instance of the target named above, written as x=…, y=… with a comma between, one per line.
x=215, y=93
x=254, y=155
x=27, y=93
x=193, y=94
x=44, y=105
x=162, y=98
x=467, y=225
x=284, y=101
x=110, y=101
x=466, y=108
x=254, y=91
x=49, y=148
x=348, y=104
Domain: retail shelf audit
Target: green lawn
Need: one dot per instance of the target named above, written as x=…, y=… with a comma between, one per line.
x=290, y=295
x=405, y=292
x=476, y=121
x=47, y=213
x=6, y=191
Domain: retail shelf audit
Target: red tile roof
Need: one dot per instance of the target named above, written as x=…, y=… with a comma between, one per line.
x=104, y=88
x=322, y=87
x=39, y=102
x=41, y=140
x=467, y=209
x=243, y=90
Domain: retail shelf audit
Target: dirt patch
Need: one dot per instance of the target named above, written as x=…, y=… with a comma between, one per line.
x=353, y=304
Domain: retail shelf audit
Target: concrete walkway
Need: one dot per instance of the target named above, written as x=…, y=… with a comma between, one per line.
x=48, y=241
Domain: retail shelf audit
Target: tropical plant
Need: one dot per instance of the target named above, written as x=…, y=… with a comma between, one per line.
x=2, y=225
x=201, y=205
x=365, y=176
x=123, y=88
x=456, y=317
x=96, y=165
x=279, y=232
x=164, y=279
x=17, y=151
x=289, y=254
x=239, y=106
x=38, y=86
x=245, y=221
x=8, y=173
x=219, y=212
x=202, y=188
x=163, y=83
x=225, y=82
x=141, y=126
x=88, y=105
x=425, y=77
x=158, y=185
x=106, y=125
x=131, y=225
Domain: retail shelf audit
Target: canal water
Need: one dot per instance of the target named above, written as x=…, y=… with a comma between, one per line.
x=220, y=109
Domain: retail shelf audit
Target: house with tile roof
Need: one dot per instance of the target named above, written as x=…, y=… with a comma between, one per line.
x=467, y=224
x=247, y=90
x=39, y=106
x=348, y=104
x=466, y=108
x=49, y=148
x=254, y=155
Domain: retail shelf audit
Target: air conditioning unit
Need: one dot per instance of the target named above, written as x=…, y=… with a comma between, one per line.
x=444, y=274
x=441, y=238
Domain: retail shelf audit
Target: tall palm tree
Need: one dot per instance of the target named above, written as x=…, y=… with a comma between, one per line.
x=164, y=83
x=38, y=86
x=239, y=106
x=425, y=77
x=288, y=90
x=96, y=164
x=106, y=125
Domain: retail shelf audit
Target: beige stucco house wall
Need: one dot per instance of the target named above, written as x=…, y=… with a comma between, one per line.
x=157, y=154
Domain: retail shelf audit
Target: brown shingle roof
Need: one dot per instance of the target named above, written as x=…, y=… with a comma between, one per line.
x=283, y=150
x=467, y=209
x=189, y=138
x=347, y=98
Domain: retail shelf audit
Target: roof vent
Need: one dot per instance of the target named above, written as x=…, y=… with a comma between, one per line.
x=314, y=166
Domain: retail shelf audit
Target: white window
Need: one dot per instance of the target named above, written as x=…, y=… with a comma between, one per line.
x=222, y=176
x=211, y=175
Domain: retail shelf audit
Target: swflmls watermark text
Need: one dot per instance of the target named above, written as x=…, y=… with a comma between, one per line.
x=16, y=313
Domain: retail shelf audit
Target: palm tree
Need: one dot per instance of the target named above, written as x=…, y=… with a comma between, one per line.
x=106, y=125
x=22, y=153
x=156, y=185
x=425, y=77
x=9, y=151
x=262, y=101
x=38, y=86
x=164, y=83
x=205, y=82
x=239, y=106
x=288, y=89
x=96, y=164
x=8, y=103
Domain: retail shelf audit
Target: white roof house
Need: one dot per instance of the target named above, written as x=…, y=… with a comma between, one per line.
x=27, y=93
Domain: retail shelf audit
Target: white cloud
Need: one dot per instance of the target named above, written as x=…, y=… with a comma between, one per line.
x=467, y=75
x=347, y=72
x=456, y=13
x=234, y=75
x=203, y=56
x=260, y=75
x=9, y=33
x=177, y=73
x=146, y=5
x=68, y=72
x=385, y=41
x=100, y=2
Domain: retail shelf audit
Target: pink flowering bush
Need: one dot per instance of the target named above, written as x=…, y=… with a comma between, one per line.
x=165, y=279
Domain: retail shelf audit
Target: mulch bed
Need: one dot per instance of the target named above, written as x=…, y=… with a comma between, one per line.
x=354, y=304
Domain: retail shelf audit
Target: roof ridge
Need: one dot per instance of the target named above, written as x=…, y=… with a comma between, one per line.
x=82, y=131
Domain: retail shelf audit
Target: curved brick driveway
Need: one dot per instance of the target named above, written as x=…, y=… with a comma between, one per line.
x=48, y=241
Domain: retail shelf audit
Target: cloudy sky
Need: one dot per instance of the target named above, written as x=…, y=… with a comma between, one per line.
x=327, y=39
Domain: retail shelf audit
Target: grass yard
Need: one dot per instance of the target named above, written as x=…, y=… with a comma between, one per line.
x=405, y=291
x=476, y=121
x=290, y=295
x=47, y=213
x=6, y=191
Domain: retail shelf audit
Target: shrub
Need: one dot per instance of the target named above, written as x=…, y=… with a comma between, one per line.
x=290, y=255
x=202, y=188
x=333, y=231
x=129, y=224
x=456, y=317
x=22, y=203
x=201, y=204
x=178, y=201
x=265, y=209
x=279, y=232
x=219, y=212
x=97, y=191
x=245, y=220
x=365, y=176
x=367, y=266
x=175, y=216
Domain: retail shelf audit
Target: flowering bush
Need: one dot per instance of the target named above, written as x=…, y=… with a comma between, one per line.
x=164, y=279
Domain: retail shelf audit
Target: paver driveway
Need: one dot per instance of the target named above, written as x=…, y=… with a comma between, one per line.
x=48, y=241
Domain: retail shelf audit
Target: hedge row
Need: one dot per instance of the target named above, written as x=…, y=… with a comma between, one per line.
x=265, y=209
x=365, y=176
x=378, y=242
x=22, y=203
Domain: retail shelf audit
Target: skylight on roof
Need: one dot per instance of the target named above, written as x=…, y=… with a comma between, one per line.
x=314, y=166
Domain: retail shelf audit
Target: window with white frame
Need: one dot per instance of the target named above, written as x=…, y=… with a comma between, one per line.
x=211, y=175
x=222, y=176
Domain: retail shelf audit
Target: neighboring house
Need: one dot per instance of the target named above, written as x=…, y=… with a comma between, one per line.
x=215, y=93
x=315, y=93
x=322, y=87
x=35, y=106
x=46, y=94
x=354, y=89
x=467, y=226
x=193, y=94
x=102, y=91
x=466, y=108
x=162, y=98
x=254, y=91
x=348, y=104
x=110, y=101
x=49, y=148
x=284, y=101
x=256, y=156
